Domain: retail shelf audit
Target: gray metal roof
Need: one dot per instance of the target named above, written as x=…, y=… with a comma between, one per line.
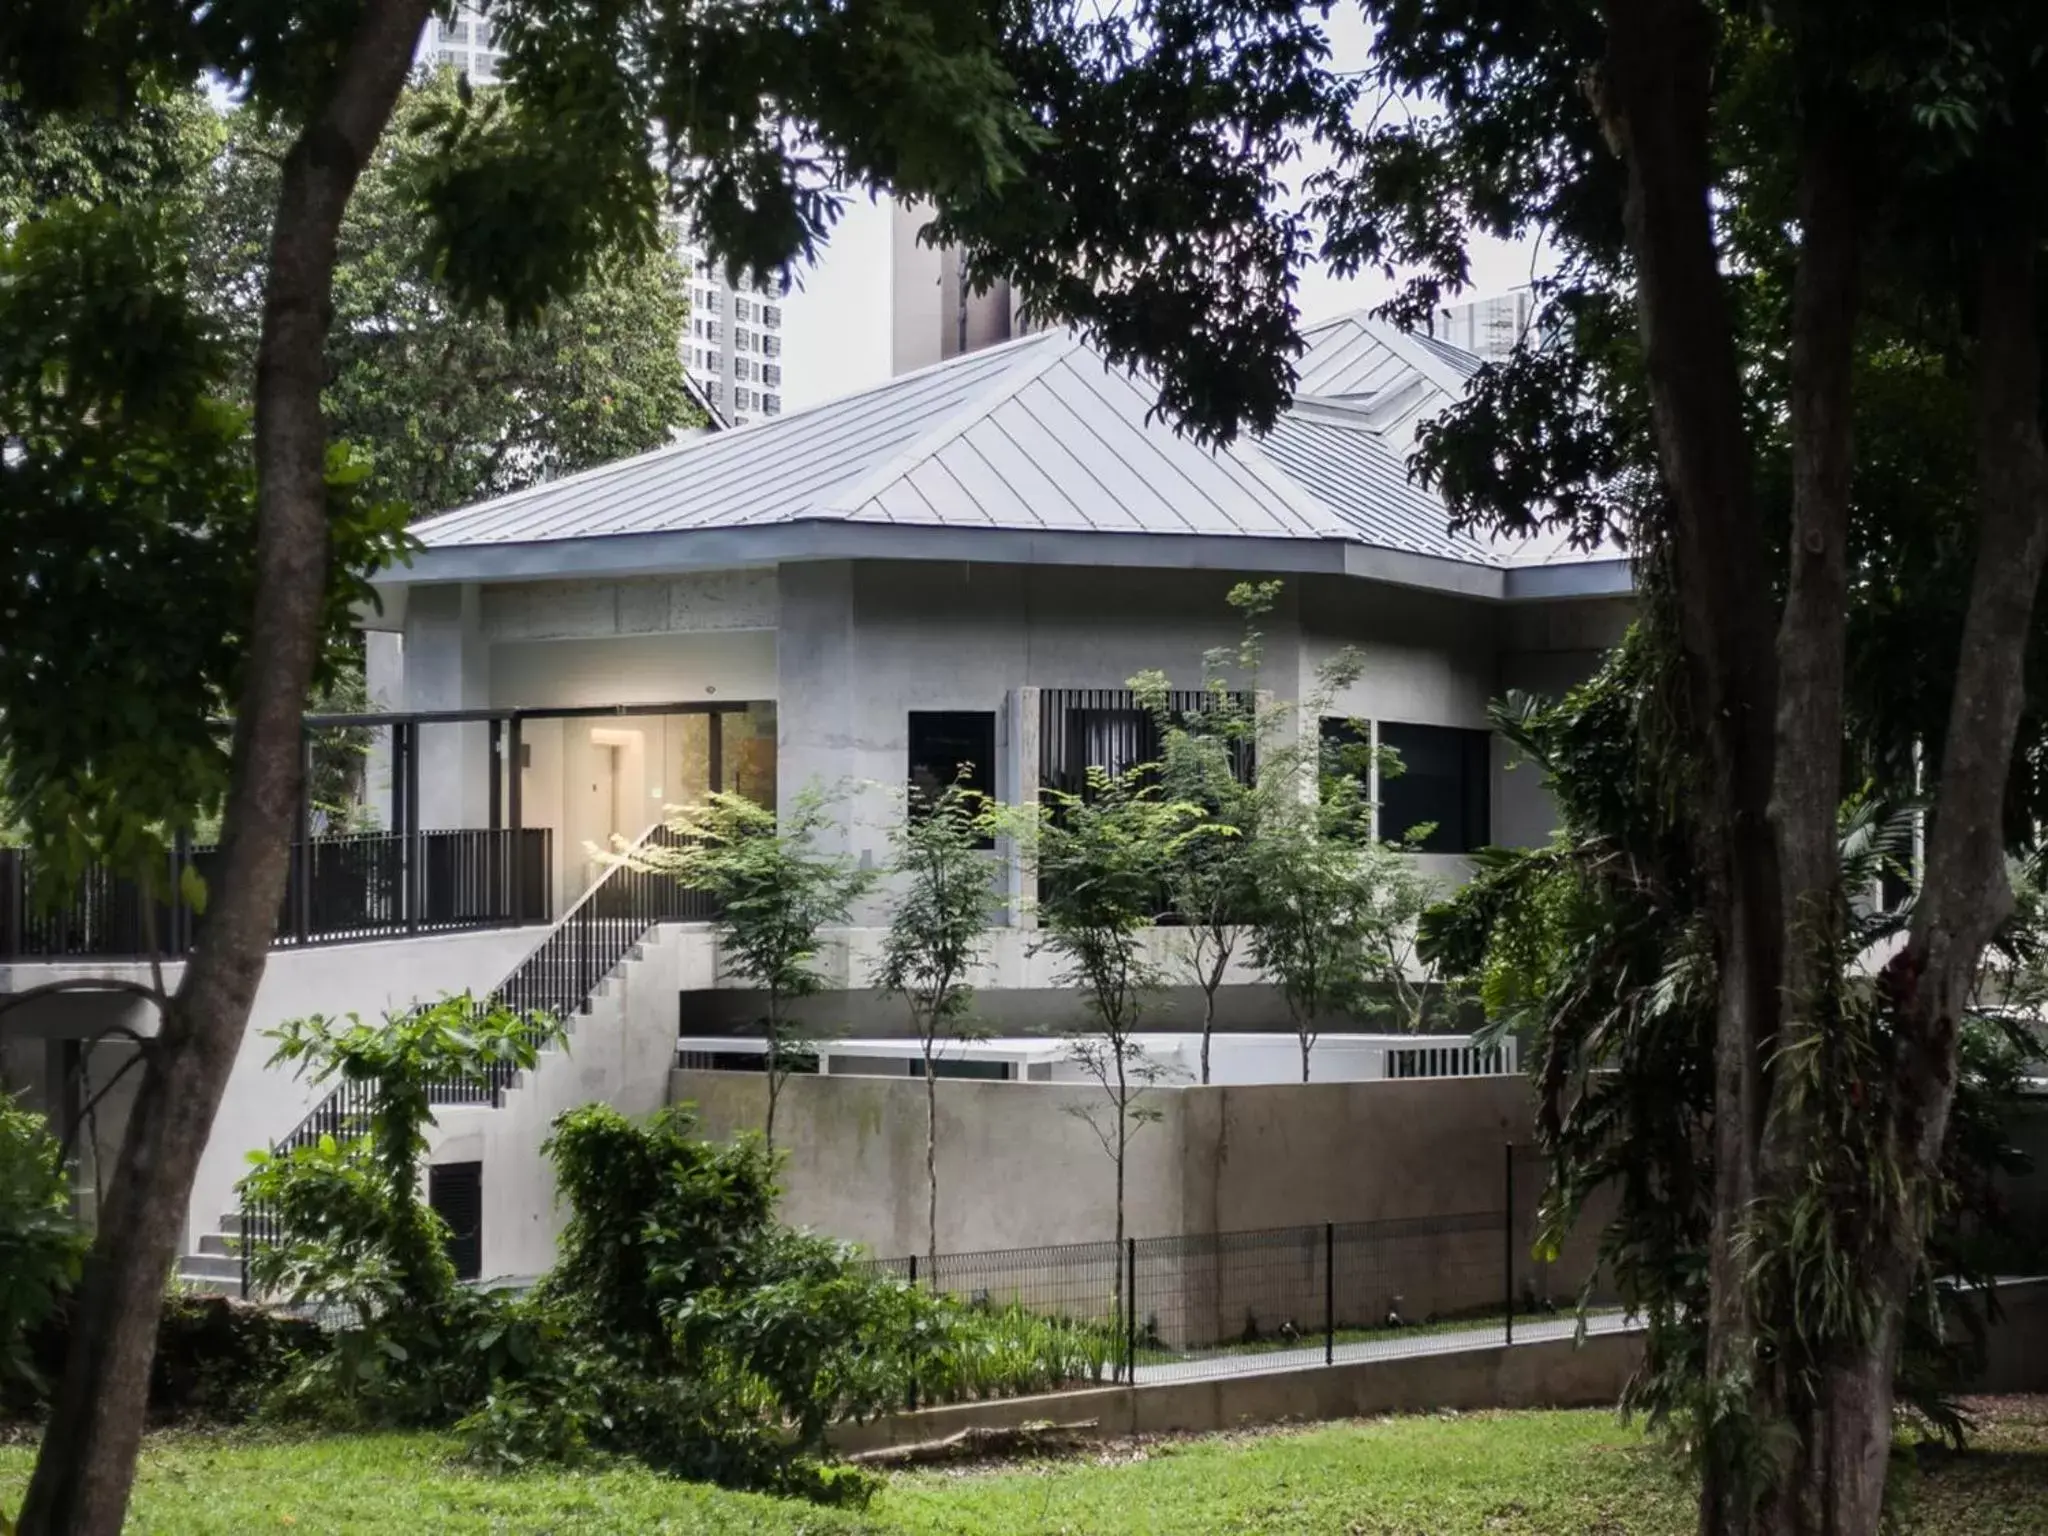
x=1036, y=437
x=1350, y=470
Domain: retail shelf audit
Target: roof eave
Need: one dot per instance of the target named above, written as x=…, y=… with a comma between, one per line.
x=649, y=554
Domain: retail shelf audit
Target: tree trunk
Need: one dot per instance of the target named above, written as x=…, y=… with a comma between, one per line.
x=1770, y=717
x=87, y=1462
x=1208, y=1027
x=774, y=1075
x=931, y=1150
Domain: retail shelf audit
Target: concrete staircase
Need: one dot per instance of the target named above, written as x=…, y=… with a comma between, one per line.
x=522, y=1108
x=216, y=1269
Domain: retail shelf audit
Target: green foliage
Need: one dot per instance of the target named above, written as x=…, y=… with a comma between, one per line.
x=41, y=1245
x=1594, y=949
x=1102, y=859
x=451, y=406
x=128, y=492
x=354, y=1221
x=941, y=909
x=655, y=1214
x=1448, y=1474
x=944, y=901
x=216, y=1359
x=775, y=892
x=1336, y=910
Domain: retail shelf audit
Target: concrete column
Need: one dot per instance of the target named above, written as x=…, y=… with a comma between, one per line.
x=815, y=682
x=384, y=675
x=1018, y=786
x=448, y=666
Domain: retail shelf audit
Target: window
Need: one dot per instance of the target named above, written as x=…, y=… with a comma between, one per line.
x=984, y=1071
x=455, y=1193
x=950, y=743
x=709, y=301
x=771, y=373
x=1445, y=778
x=743, y=399
x=742, y=368
x=771, y=315
x=771, y=346
x=744, y=340
x=742, y=309
x=772, y=404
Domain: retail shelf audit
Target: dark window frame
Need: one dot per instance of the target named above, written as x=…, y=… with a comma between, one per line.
x=950, y=732
x=1463, y=813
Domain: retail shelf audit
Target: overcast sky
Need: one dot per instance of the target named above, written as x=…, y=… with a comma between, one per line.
x=836, y=328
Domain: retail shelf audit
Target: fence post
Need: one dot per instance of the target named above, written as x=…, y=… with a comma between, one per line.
x=1507, y=1229
x=1329, y=1293
x=913, y=1342
x=1131, y=1310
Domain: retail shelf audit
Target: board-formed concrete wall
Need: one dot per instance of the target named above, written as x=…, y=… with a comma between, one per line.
x=1019, y=1165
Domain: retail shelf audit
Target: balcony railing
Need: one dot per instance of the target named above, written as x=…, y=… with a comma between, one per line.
x=364, y=886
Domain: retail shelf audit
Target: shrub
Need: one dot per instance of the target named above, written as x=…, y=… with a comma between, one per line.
x=216, y=1358
x=41, y=1245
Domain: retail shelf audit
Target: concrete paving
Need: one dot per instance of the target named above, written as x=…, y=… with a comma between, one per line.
x=1393, y=1347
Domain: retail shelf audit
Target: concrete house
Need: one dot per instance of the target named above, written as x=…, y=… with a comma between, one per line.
x=965, y=564
x=968, y=563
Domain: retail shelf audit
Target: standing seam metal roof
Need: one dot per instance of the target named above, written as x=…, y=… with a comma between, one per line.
x=1038, y=434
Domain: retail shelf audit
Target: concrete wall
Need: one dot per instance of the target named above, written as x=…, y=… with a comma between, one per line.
x=619, y=1053
x=262, y=1103
x=847, y=649
x=1018, y=1165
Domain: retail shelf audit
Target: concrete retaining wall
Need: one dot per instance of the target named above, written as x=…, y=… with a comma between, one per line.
x=1554, y=1374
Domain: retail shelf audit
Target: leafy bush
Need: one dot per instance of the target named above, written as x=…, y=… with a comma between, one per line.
x=216, y=1358
x=41, y=1246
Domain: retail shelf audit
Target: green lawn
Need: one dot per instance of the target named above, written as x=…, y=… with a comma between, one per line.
x=1538, y=1474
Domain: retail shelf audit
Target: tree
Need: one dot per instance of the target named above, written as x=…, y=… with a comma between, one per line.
x=1017, y=122
x=1595, y=950
x=1209, y=757
x=332, y=1219
x=41, y=1245
x=1791, y=208
x=1101, y=858
x=776, y=893
x=453, y=406
x=938, y=930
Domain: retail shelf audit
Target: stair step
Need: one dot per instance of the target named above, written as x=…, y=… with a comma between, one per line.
x=210, y=1266
x=230, y=1223
x=210, y=1285
x=215, y=1245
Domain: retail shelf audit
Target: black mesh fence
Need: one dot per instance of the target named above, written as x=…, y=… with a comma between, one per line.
x=1176, y=1308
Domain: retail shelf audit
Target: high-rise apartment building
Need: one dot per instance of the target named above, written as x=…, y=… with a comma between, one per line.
x=1487, y=328
x=934, y=315
x=733, y=351
x=465, y=45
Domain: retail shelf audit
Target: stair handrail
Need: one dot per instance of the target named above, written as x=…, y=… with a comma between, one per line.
x=579, y=964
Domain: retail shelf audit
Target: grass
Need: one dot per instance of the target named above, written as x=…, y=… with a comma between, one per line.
x=1528, y=1474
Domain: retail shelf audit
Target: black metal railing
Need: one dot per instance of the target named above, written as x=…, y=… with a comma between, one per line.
x=558, y=978
x=1083, y=728
x=360, y=886
x=1218, y=1304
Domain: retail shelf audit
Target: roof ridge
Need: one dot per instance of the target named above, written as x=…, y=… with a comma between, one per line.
x=979, y=404
x=1403, y=345
x=723, y=432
